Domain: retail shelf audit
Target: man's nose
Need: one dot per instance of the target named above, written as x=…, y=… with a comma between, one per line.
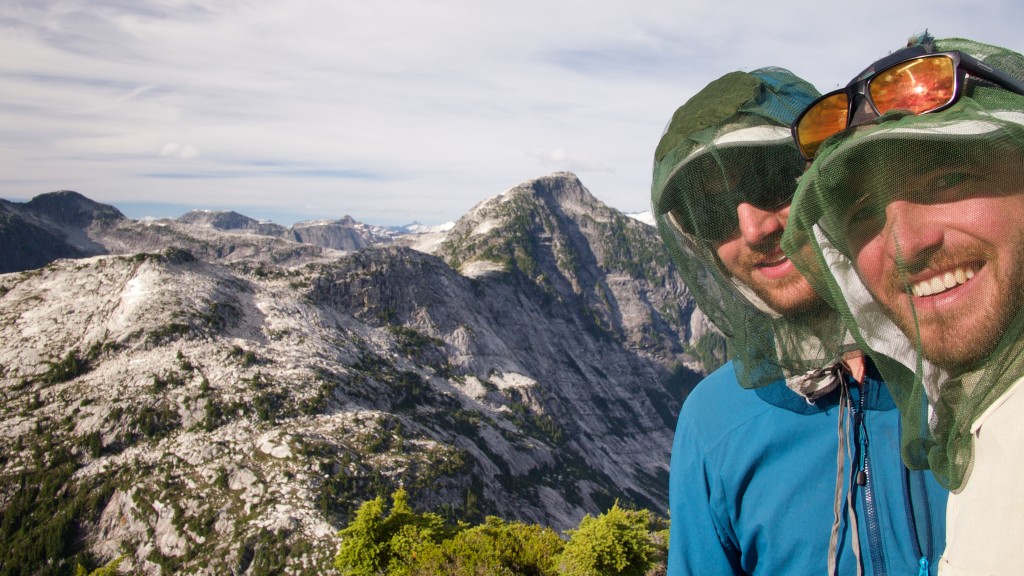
x=909, y=235
x=756, y=224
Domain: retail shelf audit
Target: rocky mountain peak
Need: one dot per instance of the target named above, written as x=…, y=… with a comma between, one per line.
x=219, y=219
x=211, y=401
x=50, y=226
x=563, y=190
x=70, y=208
x=552, y=232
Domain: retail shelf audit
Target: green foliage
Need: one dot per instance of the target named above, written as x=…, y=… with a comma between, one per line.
x=184, y=363
x=615, y=543
x=213, y=415
x=93, y=443
x=406, y=390
x=377, y=544
x=156, y=422
x=245, y=358
x=67, y=369
x=268, y=403
x=401, y=542
x=175, y=255
x=412, y=342
x=271, y=551
x=171, y=379
x=41, y=526
x=496, y=547
x=109, y=569
x=167, y=333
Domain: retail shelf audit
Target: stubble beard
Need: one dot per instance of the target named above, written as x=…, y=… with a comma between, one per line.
x=791, y=296
x=958, y=340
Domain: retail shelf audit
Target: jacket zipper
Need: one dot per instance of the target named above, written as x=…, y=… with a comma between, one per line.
x=870, y=503
x=923, y=549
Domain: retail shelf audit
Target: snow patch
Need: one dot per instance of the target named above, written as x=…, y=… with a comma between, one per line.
x=504, y=380
x=478, y=268
x=484, y=227
x=645, y=217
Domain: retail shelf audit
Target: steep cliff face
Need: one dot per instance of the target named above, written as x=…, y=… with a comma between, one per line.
x=207, y=410
x=574, y=248
x=25, y=245
x=50, y=226
x=345, y=234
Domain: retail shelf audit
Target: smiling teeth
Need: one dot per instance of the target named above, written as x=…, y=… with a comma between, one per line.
x=942, y=282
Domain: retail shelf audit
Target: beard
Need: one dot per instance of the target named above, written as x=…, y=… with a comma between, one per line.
x=958, y=340
x=791, y=296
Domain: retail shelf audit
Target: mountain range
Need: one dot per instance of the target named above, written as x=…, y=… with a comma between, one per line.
x=214, y=394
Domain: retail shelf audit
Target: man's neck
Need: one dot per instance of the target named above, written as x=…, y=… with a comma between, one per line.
x=854, y=364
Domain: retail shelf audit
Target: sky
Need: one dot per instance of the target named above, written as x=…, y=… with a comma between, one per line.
x=396, y=111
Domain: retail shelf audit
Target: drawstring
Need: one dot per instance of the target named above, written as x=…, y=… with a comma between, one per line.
x=814, y=384
x=837, y=503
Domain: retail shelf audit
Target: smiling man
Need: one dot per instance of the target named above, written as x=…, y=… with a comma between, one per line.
x=912, y=219
x=963, y=274
x=772, y=469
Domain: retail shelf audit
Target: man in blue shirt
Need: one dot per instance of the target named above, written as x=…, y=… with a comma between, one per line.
x=786, y=459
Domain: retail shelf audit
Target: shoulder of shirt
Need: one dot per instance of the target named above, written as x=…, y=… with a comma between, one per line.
x=718, y=404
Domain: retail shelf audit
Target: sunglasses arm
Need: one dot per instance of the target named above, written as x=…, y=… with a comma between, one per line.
x=981, y=70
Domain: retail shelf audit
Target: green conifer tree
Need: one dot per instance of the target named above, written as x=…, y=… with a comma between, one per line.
x=375, y=544
x=617, y=543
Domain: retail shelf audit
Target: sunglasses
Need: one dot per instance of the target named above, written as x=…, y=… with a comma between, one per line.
x=708, y=194
x=922, y=83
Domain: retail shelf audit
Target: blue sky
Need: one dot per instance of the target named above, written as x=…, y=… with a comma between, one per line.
x=393, y=111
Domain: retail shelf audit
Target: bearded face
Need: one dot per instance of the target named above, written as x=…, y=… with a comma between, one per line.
x=753, y=256
x=946, y=259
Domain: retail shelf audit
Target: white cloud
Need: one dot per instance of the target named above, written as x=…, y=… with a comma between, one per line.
x=560, y=160
x=401, y=110
x=176, y=150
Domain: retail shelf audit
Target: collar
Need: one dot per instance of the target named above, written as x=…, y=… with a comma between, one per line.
x=876, y=394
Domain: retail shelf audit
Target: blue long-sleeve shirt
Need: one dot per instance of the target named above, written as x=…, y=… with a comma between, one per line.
x=753, y=479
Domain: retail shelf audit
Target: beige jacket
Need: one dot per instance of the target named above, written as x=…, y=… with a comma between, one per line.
x=985, y=520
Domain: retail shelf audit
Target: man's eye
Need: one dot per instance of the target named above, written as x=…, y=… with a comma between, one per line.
x=866, y=213
x=947, y=181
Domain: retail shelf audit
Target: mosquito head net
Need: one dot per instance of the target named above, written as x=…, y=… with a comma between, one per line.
x=730, y=145
x=913, y=227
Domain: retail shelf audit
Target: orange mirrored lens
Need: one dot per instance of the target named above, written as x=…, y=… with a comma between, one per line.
x=919, y=85
x=825, y=118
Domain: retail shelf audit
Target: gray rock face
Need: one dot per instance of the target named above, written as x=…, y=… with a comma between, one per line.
x=230, y=220
x=50, y=226
x=69, y=208
x=345, y=234
x=216, y=411
x=25, y=245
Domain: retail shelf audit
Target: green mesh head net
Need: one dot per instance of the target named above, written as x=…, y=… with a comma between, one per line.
x=912, y=226
x=731, y=144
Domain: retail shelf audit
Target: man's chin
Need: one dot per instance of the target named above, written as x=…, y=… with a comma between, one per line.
x=809, y=309
x=797, y=307
x=956, y=343
x=795, y=298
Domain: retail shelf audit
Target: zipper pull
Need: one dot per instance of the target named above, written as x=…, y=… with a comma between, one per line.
x=862, y=480
x=922, y=569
